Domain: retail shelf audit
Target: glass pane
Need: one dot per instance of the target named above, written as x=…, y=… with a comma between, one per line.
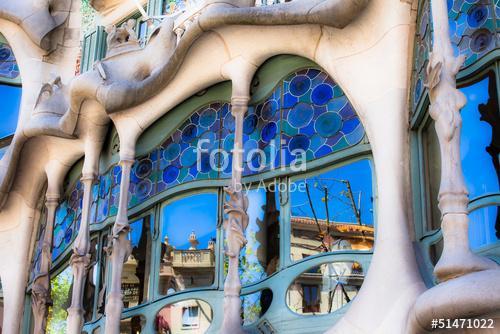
x=432, y=174
x=332, y=211
x=132, y=325
x=11, y=101
x=255, y=305
x=484, y=227
x=188, y=250
x=135, y=277
x=90, y=282
x=60, y=293
x=435, y=251
x=260, y=257
x=188, y=316
x=325, y=288
x=480, y=142
x=103, y=262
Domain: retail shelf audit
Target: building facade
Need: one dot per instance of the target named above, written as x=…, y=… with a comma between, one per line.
x=242, y=166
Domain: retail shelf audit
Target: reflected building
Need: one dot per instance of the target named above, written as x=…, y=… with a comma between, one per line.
x=184, y=269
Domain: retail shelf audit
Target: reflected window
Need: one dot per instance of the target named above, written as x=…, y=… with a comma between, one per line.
x=480, y=140
x=132, y=325
x=90, y=282
x=188, y=249
x=332, y=211
x=483, y=227
x=135, y=277
x=325, y=288
x=188, y=316
x=60, y=293
x=260, y=256
x=103, y=263
x=255, y=305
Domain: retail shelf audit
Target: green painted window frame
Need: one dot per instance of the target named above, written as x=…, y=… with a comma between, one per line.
x=428, y=238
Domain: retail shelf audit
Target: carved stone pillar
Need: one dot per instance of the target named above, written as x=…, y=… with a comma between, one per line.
x=118, y=251
x=41, y=284
x=80, y=259
x=446, y=102
x=235, y=225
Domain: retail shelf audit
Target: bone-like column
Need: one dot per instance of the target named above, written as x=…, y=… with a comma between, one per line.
x=80, y=259
x=446, y=102
x=40, y=291
x=118, y=251
x=235, y=224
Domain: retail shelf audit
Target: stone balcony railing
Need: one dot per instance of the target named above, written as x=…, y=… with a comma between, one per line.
x=193, y=258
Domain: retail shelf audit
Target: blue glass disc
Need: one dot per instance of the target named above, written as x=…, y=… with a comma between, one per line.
x=301, y=115
x=328, y=124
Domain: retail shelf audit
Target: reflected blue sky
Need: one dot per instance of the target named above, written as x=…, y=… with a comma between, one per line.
x=479, y=172
x=358, y=174
x=193, y=213
x=482, y=227
x=135, y=232
x=9, y=109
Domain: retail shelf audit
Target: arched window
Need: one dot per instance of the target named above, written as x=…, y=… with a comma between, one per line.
x=309, y=181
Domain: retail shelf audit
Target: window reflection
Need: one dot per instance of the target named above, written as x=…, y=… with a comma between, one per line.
x=480, y=140
x=482, y=229
x=325, y=288
x=60, y=293
x=103, y=261
x=188, y=316
x=255, y=305
x=188, y=249
x=135, y=277
x=332, y=211
x=260, y=256
x=132, y=325
x=90, y=282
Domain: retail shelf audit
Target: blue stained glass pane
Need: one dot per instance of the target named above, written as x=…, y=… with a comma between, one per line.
x=321, y=94
x=299, y=85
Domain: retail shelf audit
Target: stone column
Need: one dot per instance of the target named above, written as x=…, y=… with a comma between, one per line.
x=41, y=285
x=235, y=225
x=446, y=102
x=119, y=250
x=80, y=259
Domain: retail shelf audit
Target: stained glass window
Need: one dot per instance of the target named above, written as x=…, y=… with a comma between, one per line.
x=472, y=28
x=67, y=220
x=37, y=257
x=9, y=70
x=423, y=42
x=10, y=89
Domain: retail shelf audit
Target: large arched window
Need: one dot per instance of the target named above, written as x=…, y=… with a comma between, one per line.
x=311, y=229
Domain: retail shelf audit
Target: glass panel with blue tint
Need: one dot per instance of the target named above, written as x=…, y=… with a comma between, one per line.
x=261, y=135
x=480, y=141
x=187, y=316
x=188, y=234
x=255, y=305
x=484, y=227
x=472, y=28
x=423, y=41
x=325, y=289
x=9, y=109
x=260, y=256
x=9, y=70
x=180, y=159
x=67, y=220
x=37, y=257
x=317, y=118
x=60, y=294
x=135, y=276
x=332, y=211
x=143, y=179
